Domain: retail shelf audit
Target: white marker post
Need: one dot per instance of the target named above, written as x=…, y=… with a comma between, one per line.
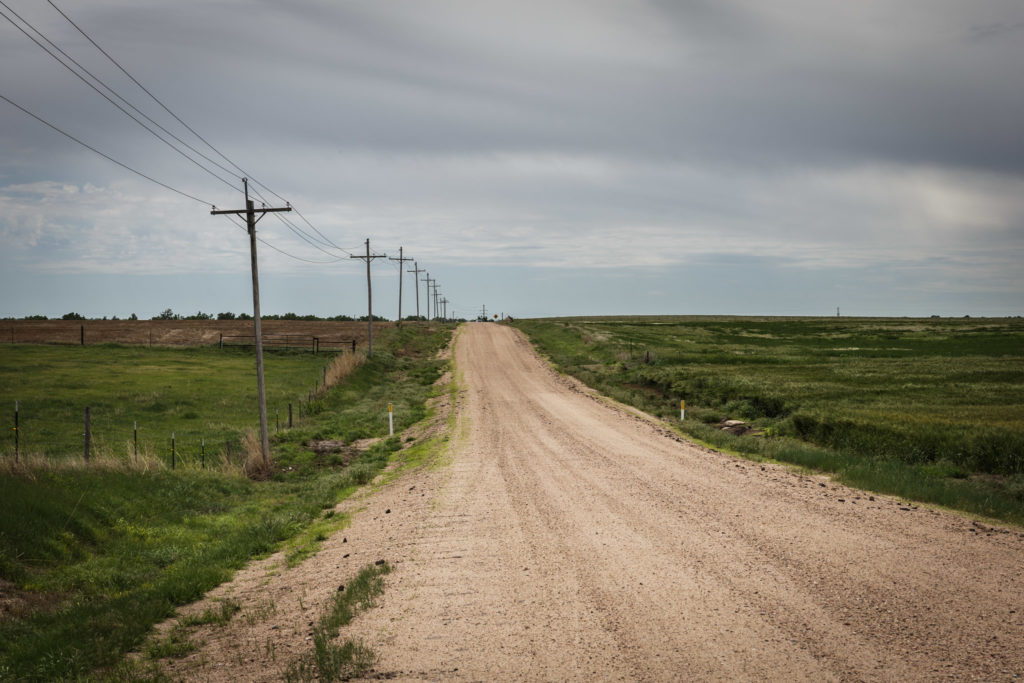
x=682, y=410
x=391, y=420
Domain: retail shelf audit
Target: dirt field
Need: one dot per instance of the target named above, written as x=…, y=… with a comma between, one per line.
x=564, y=538
x=169, y=332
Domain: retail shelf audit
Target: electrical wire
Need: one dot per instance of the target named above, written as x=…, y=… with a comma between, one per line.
x=155, y=98
x=105, y=156
x=157, y=182
x=101, y=93
x=115, y=93
x=297, y=230
x=178, y=118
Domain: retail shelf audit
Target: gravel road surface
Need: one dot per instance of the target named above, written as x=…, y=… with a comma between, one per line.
x=566, y=538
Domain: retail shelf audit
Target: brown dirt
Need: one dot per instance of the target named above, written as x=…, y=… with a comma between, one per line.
x=170, y=332
x=564, y=537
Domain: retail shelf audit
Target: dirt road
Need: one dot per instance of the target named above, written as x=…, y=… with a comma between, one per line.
x=568, y=539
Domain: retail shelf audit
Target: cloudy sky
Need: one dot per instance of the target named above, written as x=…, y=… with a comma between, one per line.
x=566, y=157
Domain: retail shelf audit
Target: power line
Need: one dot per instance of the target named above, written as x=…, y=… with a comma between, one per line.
x=187, y=126
x=112, y=91
x=104, y=95
x=156, y=99
x=297, y=230
x=302, y=235
x=105, y=156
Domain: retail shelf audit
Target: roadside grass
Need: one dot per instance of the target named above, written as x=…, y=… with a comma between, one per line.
x=331, y=661
x=928, y=409
x=95, y=556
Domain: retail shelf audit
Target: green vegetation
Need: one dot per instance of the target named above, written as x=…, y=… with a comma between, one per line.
x=194, y=393
x=330, y=661
x=931, y=409
x=92, y=557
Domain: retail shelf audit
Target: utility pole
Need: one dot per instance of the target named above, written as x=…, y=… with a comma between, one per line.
x=437, y=301
x=428, y=280
x=416, y=274
x=369, y=292
x=483, y=312
x=444, y=303
x=251, y=221
x=401, y=268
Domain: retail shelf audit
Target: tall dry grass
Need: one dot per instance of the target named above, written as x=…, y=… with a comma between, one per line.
x=254, y=466
x=28, y=464
x=113, y=459
x=343, y=365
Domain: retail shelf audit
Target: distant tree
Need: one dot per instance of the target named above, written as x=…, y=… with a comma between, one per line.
x=72, y=316
x=376, y=319
x=114, y=317
x=342, y=318
x=35, y=317
x=133, y=317
x=199, y=315
x=226, y=316
x=290, y=316
x=167, y=314
x=244, y=316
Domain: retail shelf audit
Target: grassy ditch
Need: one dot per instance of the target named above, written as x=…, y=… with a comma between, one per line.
x=929, y=409
x=92, y=557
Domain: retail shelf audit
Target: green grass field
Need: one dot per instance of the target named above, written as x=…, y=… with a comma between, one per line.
x=936, y=403
x=92, y=557
x=194, y=393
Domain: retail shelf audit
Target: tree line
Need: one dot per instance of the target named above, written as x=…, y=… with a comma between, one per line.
x=169, y=314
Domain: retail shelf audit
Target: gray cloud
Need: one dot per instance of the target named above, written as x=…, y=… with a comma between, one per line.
x=599, y=135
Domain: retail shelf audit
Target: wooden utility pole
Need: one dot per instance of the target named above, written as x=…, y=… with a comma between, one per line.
x=444, y=304
x=251, y=220
x=437, y=307
x=401, y=268
x=483, y=312
x=369, y=293
x=428, y=280
x=416, y=274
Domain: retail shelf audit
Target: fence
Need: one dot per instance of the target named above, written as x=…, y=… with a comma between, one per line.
x=108, y=435
x=288, y=341
x=326, y=335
